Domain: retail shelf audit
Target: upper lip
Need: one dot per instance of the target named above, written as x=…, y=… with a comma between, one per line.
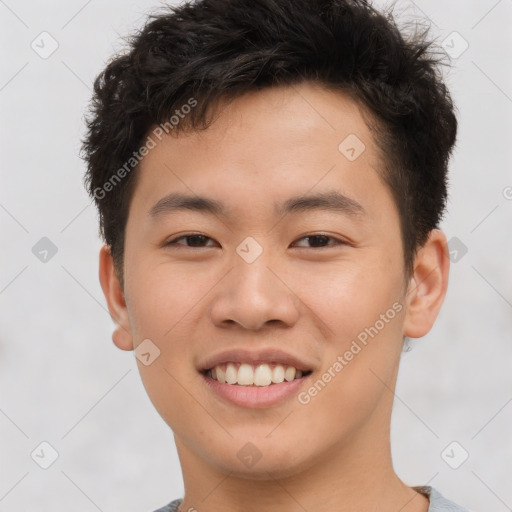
x=266, y=355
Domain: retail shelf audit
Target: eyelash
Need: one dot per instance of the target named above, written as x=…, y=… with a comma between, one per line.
x=338, y=242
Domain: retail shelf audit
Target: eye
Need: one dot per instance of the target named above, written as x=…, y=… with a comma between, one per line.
x=196, y=240
x=320, y=241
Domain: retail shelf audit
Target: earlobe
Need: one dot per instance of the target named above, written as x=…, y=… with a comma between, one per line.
x=428, y=285
x=114, y=296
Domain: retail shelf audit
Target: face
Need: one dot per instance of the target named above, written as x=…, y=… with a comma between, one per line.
x=297, y=261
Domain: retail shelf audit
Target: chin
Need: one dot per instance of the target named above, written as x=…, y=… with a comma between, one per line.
x=252, y=463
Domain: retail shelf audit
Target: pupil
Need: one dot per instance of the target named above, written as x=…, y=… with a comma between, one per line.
x=197, y=238
x=322, y=238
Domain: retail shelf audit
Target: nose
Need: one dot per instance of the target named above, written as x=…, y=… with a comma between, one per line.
x=255, y=294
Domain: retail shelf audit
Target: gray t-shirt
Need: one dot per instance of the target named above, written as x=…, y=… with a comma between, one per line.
x=437, y=502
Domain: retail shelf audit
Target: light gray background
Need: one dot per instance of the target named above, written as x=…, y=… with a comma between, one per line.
x=62, y=380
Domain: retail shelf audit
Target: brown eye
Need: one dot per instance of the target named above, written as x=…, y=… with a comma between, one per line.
x=321, y=241
x=193, y=240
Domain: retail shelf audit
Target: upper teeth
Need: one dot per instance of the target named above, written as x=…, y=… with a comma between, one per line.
x=258, y=375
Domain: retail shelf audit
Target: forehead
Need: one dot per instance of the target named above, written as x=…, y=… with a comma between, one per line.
x=284, y=116
x=280, y=142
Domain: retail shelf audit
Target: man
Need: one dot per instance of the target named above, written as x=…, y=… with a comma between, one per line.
x=270, y=177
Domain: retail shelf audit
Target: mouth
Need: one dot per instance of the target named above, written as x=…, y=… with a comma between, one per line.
x=254, y=375
x=261, y=378
x=256, y=386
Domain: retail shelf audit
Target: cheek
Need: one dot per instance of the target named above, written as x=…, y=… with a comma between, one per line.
x=161, y=297
x=350, y=296
x=164, y=307
x=363, y=309
x=360, y=362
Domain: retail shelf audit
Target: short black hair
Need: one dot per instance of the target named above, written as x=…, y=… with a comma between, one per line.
x=200, y=52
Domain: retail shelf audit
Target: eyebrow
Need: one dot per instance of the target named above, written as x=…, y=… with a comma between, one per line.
x=328, y=201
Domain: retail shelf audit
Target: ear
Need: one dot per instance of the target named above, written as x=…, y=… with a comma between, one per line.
x=114, y=295
x=428, y=285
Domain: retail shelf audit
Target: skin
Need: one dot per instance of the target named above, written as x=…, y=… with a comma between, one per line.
x=311, y=299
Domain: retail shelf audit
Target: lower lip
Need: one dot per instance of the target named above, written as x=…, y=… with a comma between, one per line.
x=255, y=396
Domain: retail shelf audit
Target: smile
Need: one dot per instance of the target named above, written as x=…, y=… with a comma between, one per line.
x=254, y=386
x=262, y=375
